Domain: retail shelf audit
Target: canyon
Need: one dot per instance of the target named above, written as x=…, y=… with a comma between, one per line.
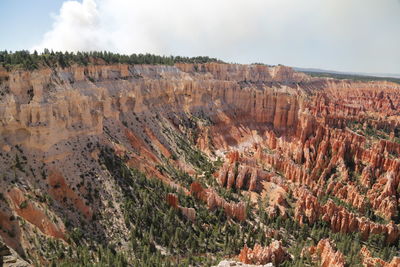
x=253, y=145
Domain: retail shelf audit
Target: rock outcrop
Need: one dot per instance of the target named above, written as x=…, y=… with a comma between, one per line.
x=9, y=258
x=274, y=253
x=241, y=177
x=369, y=261
x=227, y=263
x=35, y=214
x=327, y=255
x=173, y=201
x=309, y=210
x=213, y=200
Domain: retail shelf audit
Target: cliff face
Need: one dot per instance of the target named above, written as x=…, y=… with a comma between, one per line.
x=328, y=148
x=62, y=104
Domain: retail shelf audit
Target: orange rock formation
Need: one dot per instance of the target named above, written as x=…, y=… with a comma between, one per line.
x=328, y=256
x=274, y=253
x=369, y=261
x=173, y=201
x=213, y=200
x=337, y=138
x=340, y=220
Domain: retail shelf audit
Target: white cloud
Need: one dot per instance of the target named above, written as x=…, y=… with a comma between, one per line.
x=357, y=35
x=75, y=28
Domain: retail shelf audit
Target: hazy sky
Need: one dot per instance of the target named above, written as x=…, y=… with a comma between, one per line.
x=346, y=35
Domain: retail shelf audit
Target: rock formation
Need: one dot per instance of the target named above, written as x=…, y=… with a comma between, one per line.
x=369, y=261
x=213, y=200
x=340, y=219
x=173, y=201
x=35, y=215
x=274, y=253
x=227, y=263
x=241, y=176
x=327, y=255
x=328, y=149
x=9, y=258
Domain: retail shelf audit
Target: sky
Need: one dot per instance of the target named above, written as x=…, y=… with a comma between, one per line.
x=342, y=35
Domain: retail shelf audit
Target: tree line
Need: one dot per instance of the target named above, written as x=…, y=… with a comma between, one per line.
x=30, y=61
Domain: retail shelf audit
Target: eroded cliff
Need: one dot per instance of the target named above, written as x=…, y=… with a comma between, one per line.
x=256, y=142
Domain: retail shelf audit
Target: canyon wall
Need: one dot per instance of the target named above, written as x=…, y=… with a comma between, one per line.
x=46, y=106
x=327, y=149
